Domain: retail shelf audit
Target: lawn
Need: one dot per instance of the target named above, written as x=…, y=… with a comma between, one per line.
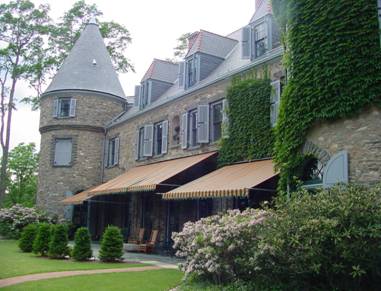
x=159, y=280
x=137, y=281
x=13, y=262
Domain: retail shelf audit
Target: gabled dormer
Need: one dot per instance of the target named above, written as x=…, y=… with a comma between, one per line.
x=206, y=51
x=160, y=76
x=262, y=34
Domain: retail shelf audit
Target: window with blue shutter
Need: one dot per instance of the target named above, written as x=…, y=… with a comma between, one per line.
x=73, y=106
x=148, y=140
x=260, y=39
x=246, y=42
x=192, y=128
x=336, y=170
x=192, y=71
x=216, y=120
x=181, y=74
x=112, y=150
x=62, y=152
x=55, y=107
x=275, y=101
x=203, y=124
x=225, y=119
x=64, y=107
x=184, y=131
x=164, y=139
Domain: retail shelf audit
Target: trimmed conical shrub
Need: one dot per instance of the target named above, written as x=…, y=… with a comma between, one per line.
x=41, y=241
x=28, y=235
x=111, y=245
x=82, y=245
x=58, y=247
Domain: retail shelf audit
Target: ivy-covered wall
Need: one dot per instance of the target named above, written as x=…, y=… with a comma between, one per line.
x=250, y=133
x=334, y=69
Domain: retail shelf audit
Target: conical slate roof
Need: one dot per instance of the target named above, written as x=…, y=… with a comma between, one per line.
x=88, y=66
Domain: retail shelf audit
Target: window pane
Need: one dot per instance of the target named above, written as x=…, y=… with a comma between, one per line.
x=64, y=107
x=216, y=121
x=158, y=138
x=62, y=152
x=193, y=128
x=260, y=39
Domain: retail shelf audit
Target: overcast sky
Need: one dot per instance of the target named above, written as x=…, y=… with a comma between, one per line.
x=154, y=27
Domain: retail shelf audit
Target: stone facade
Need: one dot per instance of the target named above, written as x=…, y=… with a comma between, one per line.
x=86, y=130
x=360, y=136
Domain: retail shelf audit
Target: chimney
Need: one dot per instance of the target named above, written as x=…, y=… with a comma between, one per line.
x=258, y=3
x=192, y=38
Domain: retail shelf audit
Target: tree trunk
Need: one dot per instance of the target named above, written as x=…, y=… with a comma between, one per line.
x=4, y=160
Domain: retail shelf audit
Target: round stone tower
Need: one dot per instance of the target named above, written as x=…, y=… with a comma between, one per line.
x=82, y=98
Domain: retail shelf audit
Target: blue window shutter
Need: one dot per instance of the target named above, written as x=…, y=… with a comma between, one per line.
x=137, y=145
x=336, y=170
x=184, y=131
x=148, y=140
x=275, y=101
x=246, y=42
x=62, y=152
x=164, y=138
x=116, y=156
x=55, y=107
x=106, y=154
x=73, y=105
x=203, y=124
x=137, y=95
x=181, y=74
x=225, y=119
x=149, y=88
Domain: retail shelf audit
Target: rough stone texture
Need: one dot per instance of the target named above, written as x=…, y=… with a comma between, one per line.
x=361, y=137
x=94, y=110
x=87, y=152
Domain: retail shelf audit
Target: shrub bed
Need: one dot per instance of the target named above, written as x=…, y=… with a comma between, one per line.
x=14, y=219
x=111, y=245
x=328, y=240
x=82, y=245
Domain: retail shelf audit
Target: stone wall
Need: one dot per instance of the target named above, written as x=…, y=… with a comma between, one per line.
x=360, y=136
x=127, y=130
x=87, y=132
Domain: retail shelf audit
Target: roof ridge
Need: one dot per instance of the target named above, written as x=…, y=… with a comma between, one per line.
x=165, y=61
x=203, y=30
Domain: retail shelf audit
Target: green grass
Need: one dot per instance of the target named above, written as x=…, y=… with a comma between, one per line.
x=13, y=262
x=136, y=281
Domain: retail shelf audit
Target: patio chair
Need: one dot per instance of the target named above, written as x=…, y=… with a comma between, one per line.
x=140, y=238
x=150, y=244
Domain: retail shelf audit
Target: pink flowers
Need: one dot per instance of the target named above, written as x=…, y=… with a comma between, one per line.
x=212, y=245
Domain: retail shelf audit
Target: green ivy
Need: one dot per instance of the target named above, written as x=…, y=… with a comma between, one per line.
x=334, y=69
x=250, y=133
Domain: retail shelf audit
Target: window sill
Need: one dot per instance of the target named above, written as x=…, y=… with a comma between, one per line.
x=64, y=117
x=62, y=166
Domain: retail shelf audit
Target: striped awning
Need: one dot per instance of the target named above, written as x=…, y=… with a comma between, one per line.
x=229, y=181
x=77, y=198
x=143, y=178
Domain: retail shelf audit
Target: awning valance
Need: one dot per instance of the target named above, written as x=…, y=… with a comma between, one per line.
x=229, y=181
x=143, y=178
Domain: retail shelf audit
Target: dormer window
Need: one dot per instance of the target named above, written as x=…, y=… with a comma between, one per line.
x=260, y=39
x=64, y=107
x=192, y=71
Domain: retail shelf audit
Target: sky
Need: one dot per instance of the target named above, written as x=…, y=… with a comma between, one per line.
x=154, y=27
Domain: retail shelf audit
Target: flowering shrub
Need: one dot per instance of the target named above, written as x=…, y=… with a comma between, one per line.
x=14, y=219
x=217, y=247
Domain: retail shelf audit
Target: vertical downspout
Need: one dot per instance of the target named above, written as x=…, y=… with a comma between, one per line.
x=103, y=155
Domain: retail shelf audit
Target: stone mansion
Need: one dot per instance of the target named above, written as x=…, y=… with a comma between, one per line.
x=150, y=161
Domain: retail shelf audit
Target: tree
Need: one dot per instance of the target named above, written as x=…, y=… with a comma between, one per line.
x=182, y=45
x=111, y=245
x=27, y=237
x=42, y=239
x=22, y=175
x=22, y=28
x=82, y=245
x=58, y=247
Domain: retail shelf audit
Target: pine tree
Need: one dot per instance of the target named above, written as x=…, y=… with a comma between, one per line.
x=27, y=237
x=111, y=245
x=58, y=247
x=41, y=242
x=82, y=245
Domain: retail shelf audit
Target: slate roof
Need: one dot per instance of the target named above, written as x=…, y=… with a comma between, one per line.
x=264, y=7
x=78, y=71
x=162, y=70
x=212, y=44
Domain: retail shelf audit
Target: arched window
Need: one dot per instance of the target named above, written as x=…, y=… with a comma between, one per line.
x=312, y=171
